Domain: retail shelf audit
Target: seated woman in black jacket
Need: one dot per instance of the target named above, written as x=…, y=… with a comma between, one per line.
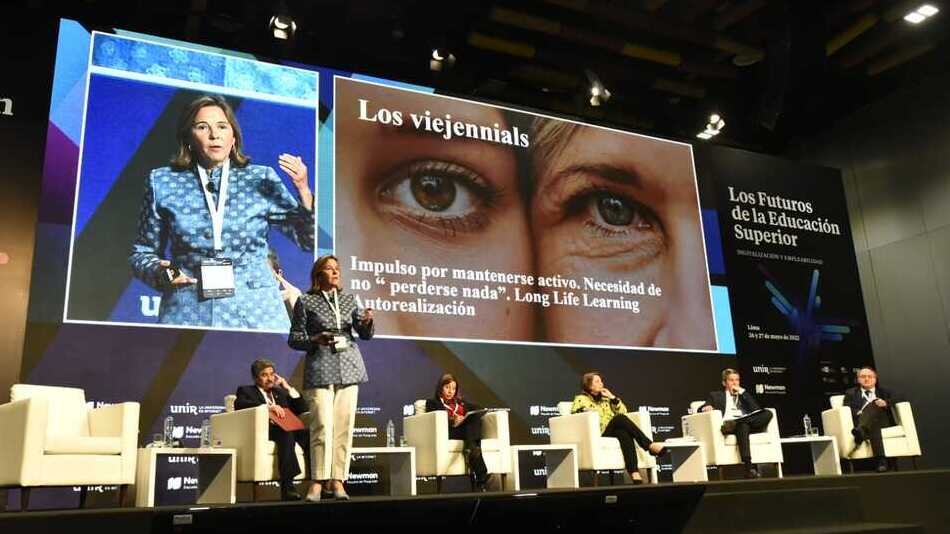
x=463, y=424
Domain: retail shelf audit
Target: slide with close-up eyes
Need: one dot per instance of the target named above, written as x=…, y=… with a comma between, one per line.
x=463, y=220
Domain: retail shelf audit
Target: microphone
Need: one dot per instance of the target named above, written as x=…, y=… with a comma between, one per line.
x=210, y=187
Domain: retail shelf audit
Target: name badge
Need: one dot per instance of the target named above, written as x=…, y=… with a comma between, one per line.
x=217, y=278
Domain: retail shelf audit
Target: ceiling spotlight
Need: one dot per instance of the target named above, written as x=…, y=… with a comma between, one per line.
x=921, y=14
x=713, y=127
x=598, y=93
x=282, y=27
x=441, y=59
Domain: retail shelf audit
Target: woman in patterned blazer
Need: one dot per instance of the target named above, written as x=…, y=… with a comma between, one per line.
x=210, y=175
x=323, y=325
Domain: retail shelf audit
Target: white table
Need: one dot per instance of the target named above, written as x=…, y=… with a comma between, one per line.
x=824, y=453
x=688, y=459
x=402, y=467
x=216, y=473
x=560, y=461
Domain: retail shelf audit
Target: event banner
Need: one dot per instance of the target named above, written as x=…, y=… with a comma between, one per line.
x=798, y=313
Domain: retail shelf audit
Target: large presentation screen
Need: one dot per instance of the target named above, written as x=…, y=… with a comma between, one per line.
x=463, y=220
x=454, y=219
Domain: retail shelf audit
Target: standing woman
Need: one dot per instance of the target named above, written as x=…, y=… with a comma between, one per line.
x=614, y=422
x=463, y=424
x=323, y=324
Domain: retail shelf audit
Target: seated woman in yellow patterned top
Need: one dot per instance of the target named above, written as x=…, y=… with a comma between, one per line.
x=613, y=421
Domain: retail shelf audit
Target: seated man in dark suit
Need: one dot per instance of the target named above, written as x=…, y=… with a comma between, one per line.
x=871, y=411
x=271, y=389
x=735, y=402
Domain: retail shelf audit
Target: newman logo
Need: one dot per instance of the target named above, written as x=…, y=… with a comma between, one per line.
x=408, y=409
x=178, y=483
x=536, y=410
x=6, y=106
x=769, y=389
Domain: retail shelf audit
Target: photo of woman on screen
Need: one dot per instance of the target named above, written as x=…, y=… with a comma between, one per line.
x=211, y=207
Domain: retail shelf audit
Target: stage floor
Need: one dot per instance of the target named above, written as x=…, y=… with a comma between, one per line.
x=906, y=501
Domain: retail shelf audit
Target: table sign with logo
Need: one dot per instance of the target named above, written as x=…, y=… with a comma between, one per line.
x=180, y=476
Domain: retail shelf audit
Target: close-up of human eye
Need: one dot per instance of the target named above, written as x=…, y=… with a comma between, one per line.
x=613, y=222
x=439, y=196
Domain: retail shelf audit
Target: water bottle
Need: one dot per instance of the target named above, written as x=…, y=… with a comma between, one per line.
x=168, y=436
x=205, y=434
x=390, y=434
x=807, y=422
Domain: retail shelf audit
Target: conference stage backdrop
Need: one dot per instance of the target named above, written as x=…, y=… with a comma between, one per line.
x=510, y=247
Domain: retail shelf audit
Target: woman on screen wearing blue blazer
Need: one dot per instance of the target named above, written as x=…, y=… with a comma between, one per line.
x=614, y=422
x=463, y=424
x=324, y=322
x=212, y=204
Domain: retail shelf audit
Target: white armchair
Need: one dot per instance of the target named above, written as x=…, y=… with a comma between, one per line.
x=899, y=440
x=595, y=452
x=247, y=431
x=706, y=428
x=439, y=456
x=50, y=437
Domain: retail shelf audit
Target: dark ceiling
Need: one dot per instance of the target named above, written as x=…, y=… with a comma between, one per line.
x=668, y=64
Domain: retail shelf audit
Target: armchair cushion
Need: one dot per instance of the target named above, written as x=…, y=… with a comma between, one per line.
x=82, y=445
x=758, y=438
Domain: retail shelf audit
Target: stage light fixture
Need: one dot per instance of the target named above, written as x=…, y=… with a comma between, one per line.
x=599, y=94
x=282, y=27
x=713, y=127
x=440, y=60
x=921, y=14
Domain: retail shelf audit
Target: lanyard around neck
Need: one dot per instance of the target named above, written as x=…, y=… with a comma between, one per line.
x=217, y=212
x=335, y=306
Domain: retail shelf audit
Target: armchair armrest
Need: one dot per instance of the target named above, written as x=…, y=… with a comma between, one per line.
x=429, y=434
x=22, y=440
x=772, y=428
x=119, y=421
x=706, y=428
x=837, y=422
x=581, y=429
x=905, y=417
x=495, y=426
x=246, y=431
x=643, y=422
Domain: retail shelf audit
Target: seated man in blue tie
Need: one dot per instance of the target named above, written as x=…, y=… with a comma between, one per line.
x=271, y=389
x=741, y=415
x=871, y=410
